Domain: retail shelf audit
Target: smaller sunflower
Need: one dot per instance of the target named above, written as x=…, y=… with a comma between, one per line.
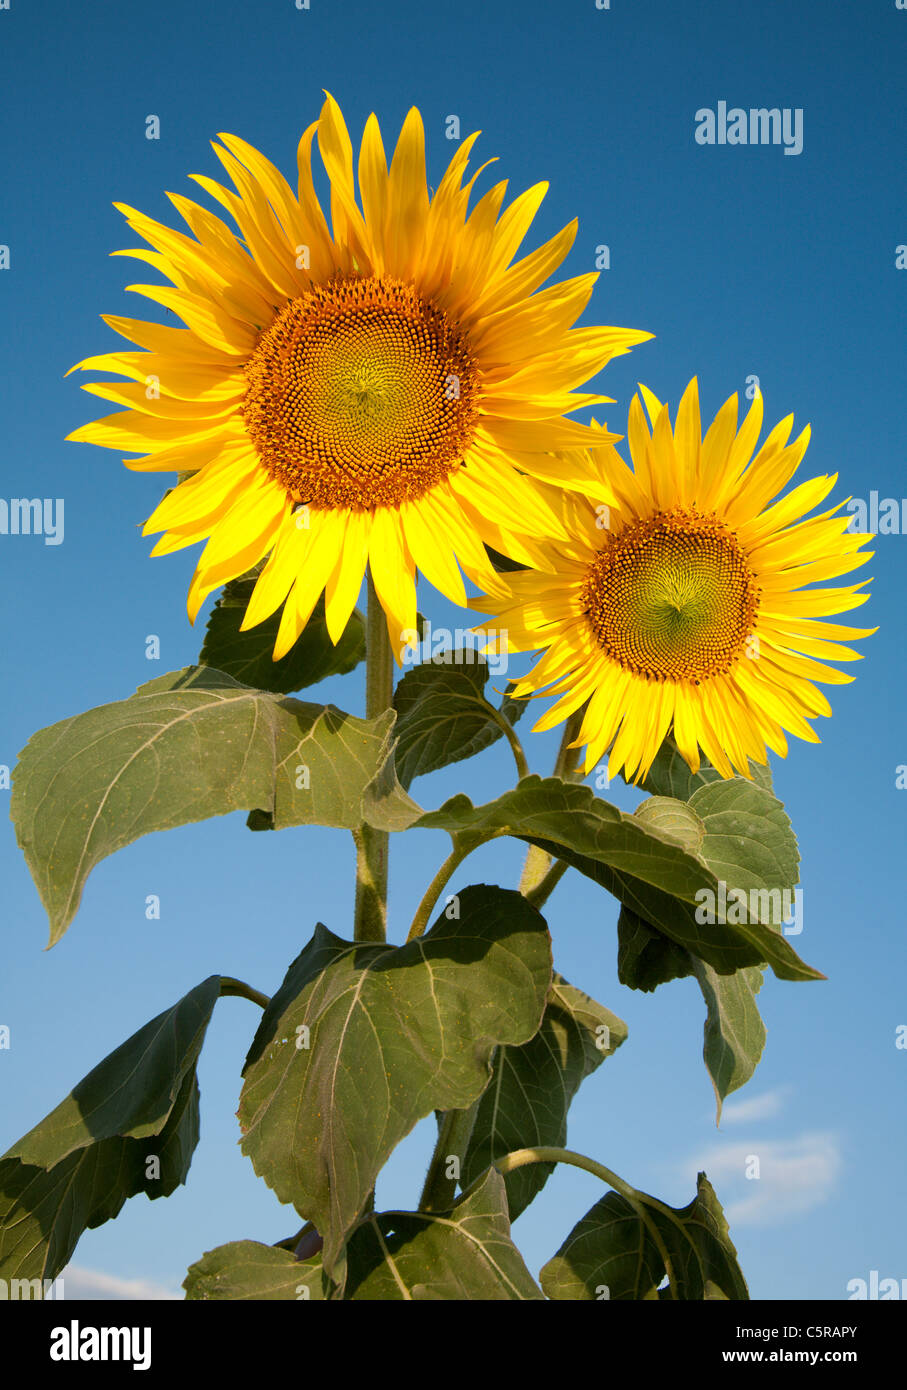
x=690, y=608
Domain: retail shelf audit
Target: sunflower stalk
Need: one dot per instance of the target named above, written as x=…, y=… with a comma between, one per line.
x=454, y=1133
x=370, y=918
x=539, y=864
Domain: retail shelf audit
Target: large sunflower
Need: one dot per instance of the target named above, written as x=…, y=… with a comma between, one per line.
x=371, y=392
x=691, y=606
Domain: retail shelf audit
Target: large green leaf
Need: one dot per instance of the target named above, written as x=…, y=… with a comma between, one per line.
x=244, y=1269
x=464, y=1254
x=734, y=1031
x=749, y=844
x=670, y=774
x=247, y=656
x=746, y=839
x=533, y=1085
x=645, y=866
x=617, y=1251
x=76, y=1168
x=443, y=715
x=570, y=821
x=607, y=1255
x=393, y=1034
x=186, y=746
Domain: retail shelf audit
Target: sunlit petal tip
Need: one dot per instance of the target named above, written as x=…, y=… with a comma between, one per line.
x=652, y=403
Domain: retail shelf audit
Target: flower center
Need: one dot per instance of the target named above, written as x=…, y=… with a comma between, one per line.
x=360, y=394
x=672, y=597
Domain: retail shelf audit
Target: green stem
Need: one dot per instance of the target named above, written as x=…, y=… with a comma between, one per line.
x=567, y=760
x=538, y=861
x=372, y=845
x=433, y=891
x=510, y=733
x=462, y=846
x=535, y=868
x=239, y=987
x=518, y=1158
x=379, y=659
x=539, y=895
x=454, y=1134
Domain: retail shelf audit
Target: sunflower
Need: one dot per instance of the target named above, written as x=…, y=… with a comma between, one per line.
x=690, y=608
x=380, y=391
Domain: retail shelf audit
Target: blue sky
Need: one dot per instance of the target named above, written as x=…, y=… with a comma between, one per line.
x=742, y=260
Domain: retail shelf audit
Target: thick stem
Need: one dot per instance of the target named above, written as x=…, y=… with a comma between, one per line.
x=379, y=659
x=539, y=895
x=538, y=862
x=372, y=845
x=454, y=1135
x=535, y=867
x=370, y=923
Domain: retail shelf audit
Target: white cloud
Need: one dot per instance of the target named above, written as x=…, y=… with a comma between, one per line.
x=755, y=1107
x=93, y=1283
x=795, y=1175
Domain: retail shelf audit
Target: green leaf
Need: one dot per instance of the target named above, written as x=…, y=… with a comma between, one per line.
x=734, y=1031
x=750, y=846
x=670, y=774
x=702, y=1254
x=674, y=818
x=726, y=946
x=607, y=1255
x=569, y=821
x=443, y=716
x=246, y=656
x=647, y=869
x=76, y=1168
x=646, y=958
x=393, y=1034
x=748, y=841
x=617, y=1252
x=244, y=1269
x=746, y=823
x=533, y=1085
x=186, y=746
x=464, y=1254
